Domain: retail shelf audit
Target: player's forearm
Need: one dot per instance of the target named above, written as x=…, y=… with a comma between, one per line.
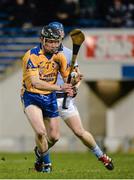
x=42, y=85
x=47, y=86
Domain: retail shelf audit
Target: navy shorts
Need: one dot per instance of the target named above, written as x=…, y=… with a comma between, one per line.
x=47, y=103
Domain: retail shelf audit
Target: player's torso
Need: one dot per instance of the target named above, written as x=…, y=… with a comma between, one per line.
x=46, y=68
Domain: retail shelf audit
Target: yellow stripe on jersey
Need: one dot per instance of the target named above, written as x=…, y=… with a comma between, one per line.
x=35, y=63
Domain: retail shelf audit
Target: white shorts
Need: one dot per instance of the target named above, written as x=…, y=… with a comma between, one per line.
x=71, y=111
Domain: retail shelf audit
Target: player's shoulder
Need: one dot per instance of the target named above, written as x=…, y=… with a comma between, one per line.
x=67, y=50
x=33, y=52
x=59, y=57
x=59, y=54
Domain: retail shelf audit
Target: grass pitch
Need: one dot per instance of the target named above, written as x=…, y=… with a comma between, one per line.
x=66, y=166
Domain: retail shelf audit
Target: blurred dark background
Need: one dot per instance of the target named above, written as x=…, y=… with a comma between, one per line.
x=72, y=13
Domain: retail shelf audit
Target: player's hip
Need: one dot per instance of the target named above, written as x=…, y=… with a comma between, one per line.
x=71, y=111
x=47, y=103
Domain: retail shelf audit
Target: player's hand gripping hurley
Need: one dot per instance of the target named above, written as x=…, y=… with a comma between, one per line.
x=77, y=37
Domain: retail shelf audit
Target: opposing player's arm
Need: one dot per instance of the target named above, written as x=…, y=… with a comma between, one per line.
x=76, y=77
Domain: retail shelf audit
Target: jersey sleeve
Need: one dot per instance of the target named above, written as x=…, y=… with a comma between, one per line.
x=30, y=66
x=64, y=70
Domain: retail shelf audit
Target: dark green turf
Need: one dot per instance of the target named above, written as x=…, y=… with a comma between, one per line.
x=66, y=166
